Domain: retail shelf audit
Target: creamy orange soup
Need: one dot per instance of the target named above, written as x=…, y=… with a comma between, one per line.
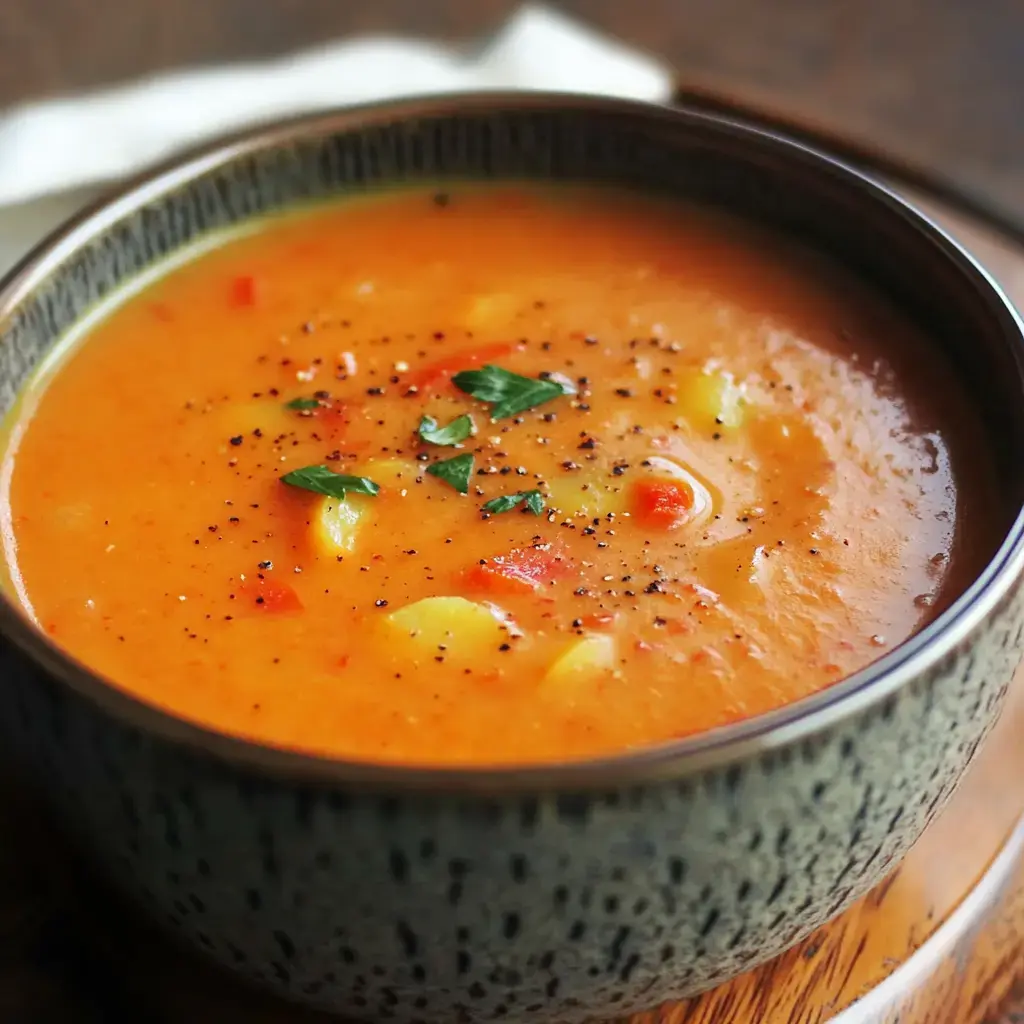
x=505, y=475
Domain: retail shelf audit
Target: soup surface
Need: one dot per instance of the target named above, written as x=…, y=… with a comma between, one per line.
x=504, y=475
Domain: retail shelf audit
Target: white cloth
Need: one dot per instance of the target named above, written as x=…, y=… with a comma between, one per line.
x=71, y=143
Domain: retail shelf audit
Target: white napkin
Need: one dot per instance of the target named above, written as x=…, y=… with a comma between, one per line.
x=62, y=144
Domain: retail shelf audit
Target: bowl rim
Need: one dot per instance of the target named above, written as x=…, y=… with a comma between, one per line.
x=760, y=734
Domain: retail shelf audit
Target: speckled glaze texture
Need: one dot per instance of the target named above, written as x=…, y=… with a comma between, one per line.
x=559, y=895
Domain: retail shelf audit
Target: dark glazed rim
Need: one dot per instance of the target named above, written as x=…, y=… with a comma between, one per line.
x=727, y=744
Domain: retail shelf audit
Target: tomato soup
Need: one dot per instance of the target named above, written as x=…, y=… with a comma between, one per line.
x=504, y=475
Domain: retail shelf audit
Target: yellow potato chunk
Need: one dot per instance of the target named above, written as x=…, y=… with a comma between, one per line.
x=270, y=417
x=711, y=399
x=587, y=657
x=391, y=475
x=336, y=522
x=460, y=629
x=587, y=493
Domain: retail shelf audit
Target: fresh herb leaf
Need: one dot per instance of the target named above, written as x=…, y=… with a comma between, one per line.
x=455, y=472
x=320, y=480
x=458, y=430
x=533, y=500
x=510, y=392
x=303, y=403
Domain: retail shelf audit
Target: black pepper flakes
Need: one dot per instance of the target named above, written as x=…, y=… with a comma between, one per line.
x=236, y=440
x=380, y=603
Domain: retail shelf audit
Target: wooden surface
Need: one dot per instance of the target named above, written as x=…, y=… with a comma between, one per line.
x=938, y=82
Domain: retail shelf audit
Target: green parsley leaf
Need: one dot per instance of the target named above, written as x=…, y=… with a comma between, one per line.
x=303, y=403
x=458, y=430
x=534, y=501
x=455, y=472
x=510, y=392
x=320, y=480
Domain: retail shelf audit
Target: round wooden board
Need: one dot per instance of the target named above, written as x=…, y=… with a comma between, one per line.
x=941, y=941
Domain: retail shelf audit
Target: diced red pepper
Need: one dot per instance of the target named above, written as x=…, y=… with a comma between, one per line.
x=661, y=504
x=243, y=291
x=434, y=374
x=267, y=595
x=521, y=571
x=333, y=419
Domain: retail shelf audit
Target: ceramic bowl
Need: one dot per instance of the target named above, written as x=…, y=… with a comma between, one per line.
x=551, y=893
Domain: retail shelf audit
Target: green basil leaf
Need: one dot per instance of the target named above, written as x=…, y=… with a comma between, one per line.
x=303, y=403
x=457, y=431
x=321, y=480
x=509, y=392
x=454, y=472
x=533, y=500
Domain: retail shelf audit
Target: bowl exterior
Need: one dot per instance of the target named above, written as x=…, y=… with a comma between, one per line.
x=555, y=900
x=559, y=905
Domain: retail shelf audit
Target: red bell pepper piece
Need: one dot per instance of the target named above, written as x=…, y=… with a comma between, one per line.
x=243, y=291
x=264, y=594
x=661, y=504
x=433, y=375
x=521, y=571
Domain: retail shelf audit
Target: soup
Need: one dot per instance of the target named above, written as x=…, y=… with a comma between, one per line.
x=506, y=475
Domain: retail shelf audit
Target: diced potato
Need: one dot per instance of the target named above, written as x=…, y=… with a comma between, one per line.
x=462, y=630
x=587, y=657
x=243, y=418
x=336, y=523
x=392, y=475
x=712, y=399
x=587, y=493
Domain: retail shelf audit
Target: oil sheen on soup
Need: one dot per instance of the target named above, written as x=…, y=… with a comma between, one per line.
x=501, y=475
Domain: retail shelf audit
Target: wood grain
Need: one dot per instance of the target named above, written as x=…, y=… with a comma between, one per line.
x=940, y=942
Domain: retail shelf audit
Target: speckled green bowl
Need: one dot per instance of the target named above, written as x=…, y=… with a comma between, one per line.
x=555, y=893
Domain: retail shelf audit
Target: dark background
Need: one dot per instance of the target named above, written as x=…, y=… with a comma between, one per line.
x=936, y=82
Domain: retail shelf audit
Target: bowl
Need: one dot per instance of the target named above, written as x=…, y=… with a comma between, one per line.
x=557, y=892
